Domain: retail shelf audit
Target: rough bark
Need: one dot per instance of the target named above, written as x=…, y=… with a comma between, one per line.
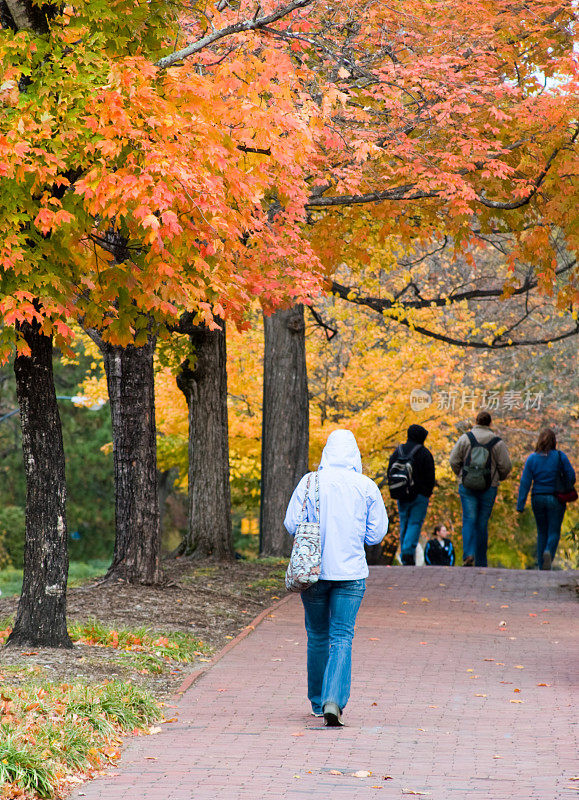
x=204, y=384
x=41, y=616
x=28, y=15
x=131, y=385
x=285, y=432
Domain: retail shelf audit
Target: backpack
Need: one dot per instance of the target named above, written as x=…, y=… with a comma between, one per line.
x=400, y=475
x=477, y=469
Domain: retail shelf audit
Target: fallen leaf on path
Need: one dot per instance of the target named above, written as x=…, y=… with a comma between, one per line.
x=532, y=615
x=480, y=695
x=519, y=666
x=545, y=622
x=152, y=731
x=373, y=639
x=502, y=624
x=296, y=776
x=424, y=600
x=470, y=670
x=335, y=772
x=376, y=787
x=516, y=690
x=488, y=659
x=412, y=791
x=405, y=602
x=549, y=684
x=390, y=778
x=517, y=701
x=150, y=758
x=298, y=733
x=423, y=642
x=432, y=706
x=504, y=606
x=401, y=612
x=375, y=704
x=362, y=773
x=498, y=756
x=276, y=659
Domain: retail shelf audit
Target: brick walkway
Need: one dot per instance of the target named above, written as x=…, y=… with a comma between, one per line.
x=464, y=686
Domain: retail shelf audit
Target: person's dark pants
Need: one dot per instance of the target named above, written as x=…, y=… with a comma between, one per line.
x=476, y=512
x=549, y=513
x=412, y=516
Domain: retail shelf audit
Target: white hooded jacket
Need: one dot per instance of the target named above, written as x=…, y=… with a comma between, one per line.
x=352, y=510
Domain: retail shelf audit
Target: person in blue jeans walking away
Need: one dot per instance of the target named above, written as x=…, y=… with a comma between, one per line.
x=541, y=471
x=352, y=513
x=411, y=480
x=481, y=461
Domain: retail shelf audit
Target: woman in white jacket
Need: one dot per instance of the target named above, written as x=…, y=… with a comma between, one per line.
x=352, y=513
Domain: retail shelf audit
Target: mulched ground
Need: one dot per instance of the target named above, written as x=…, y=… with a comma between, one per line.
x=209, y=600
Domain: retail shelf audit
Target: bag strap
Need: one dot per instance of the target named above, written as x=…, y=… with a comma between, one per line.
x=474, y=442
x=303, y=511
x=317, y=495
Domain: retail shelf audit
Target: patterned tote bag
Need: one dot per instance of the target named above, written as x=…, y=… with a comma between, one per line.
x=305, y=561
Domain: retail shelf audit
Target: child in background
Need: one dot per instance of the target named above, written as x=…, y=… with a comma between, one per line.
x=439, y=550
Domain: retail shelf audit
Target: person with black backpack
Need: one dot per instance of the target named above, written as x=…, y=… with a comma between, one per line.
x=411, y=480
x=481, y=461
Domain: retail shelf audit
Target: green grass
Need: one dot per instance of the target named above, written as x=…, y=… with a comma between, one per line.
x=52, y=730
x=140, y=648
x=78, y=572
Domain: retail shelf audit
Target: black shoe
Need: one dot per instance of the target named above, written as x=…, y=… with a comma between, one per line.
x=468, y=561
x=546, y=560
x=333, y=715
x=407, y=560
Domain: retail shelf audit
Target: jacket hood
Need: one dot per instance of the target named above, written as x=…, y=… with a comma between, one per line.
x=416, y=433
x=341, y=450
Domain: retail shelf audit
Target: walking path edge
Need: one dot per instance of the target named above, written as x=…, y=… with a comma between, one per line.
x=193, y=677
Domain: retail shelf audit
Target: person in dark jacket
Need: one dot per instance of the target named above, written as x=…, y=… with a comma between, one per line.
x=439, y=550
x=413, y=512
x=542, y=468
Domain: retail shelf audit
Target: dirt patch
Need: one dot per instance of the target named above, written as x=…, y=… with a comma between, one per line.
x=208, y=600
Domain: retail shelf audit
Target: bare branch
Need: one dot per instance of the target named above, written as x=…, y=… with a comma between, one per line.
x=230, y=30
x=352, y=294
x=497, y=344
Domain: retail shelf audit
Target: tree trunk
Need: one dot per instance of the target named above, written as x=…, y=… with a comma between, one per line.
x=205, y=388
x=41, y=615
x=131, y=385
x=285, y=431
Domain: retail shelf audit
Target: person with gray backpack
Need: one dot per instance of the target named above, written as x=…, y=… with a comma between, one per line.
x=481, y=461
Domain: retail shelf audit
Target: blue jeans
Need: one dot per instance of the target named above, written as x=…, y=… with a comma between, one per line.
x=476, y=512
x=549, y=513
x=330, y=613
x=411, y=518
